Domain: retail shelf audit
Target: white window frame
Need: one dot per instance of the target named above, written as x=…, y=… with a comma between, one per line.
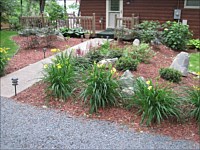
x=192, y=7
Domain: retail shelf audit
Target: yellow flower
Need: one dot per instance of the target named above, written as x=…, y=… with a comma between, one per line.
x=45, y=66
x=148, y=82
x=100, y=65
x=198, y=73
x=55, y=50
x=196, y=88
x=150, y=87
x=8, y=58
x=113, y=71
x=58, y=65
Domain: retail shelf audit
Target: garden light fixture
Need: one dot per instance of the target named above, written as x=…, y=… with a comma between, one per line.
x=107, y=37
x=81, y=38
x=44, y=51
x=15, y=83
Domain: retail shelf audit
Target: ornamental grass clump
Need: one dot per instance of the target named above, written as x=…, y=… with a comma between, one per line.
x=155, y=103
x=101, y=88
x=3, y=60
x=60, y=77
x=193, y=98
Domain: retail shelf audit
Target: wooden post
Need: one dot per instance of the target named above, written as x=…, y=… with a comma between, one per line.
x=137, y=20
x=42, y=19
x=115, y=21
x=93, y=25
x=132, y=21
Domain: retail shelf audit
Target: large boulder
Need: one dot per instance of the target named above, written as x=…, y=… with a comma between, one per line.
x=126, y=82
x=108, y=62
x=181, y=63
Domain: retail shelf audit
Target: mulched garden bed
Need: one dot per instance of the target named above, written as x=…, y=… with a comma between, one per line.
x=25, y=57
x=35, y=95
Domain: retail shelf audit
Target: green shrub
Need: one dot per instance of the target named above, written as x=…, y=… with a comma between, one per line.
x=115, y=54
x=60, y=77
x=194, y=43
x=94, y=56
x=55, y=11
x=127, y=63
x=104, y=48
x=3, y=60
x=193, y=98
x=143, y=52
x=101, y=88
x=170, y=74
x=176, y=35
x=155, y=103
x=148, y=31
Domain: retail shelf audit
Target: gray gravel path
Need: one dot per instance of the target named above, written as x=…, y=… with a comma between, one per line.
x=27, y=127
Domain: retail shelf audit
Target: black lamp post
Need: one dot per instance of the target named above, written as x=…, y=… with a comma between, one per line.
x=15, y=83
x=44, y=51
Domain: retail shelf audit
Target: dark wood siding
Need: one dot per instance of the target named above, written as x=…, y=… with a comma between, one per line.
x=88, y=7
x=162, y=10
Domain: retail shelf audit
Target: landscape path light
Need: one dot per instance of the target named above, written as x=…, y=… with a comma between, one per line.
x=107, y=38
x=15, y=83
x=81, y=38
x=44, y=51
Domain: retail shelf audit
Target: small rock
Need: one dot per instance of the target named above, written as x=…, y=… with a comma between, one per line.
x=60, y=37
x=108, y=62
x=136, y=42
x=181, y=63
x=44, y=106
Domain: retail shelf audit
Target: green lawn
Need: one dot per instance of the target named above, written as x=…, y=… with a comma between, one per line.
x=8, y=43
x=194, y=65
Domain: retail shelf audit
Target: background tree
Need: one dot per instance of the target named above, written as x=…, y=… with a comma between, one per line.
x=42, y=5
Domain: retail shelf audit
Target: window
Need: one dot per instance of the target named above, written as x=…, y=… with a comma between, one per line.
x=114, y=5
x=192, y=4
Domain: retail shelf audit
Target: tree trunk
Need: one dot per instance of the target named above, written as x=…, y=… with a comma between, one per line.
x=42, y=5
x=65, y=8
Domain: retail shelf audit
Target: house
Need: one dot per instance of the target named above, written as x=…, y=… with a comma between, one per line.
x=186, y=11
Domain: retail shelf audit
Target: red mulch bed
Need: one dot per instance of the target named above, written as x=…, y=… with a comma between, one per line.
x=25, y=56
x=35, y=95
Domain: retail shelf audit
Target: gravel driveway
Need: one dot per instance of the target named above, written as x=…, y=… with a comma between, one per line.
x=27, y=127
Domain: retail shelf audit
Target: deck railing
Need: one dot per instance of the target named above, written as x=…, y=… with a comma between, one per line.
x=128, y=22
x=72, y=21
x=86, y=22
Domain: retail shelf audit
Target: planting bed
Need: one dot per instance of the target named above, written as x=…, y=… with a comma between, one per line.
x=164, y=56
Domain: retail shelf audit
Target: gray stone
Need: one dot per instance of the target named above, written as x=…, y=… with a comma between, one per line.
x=60, y=37
x=128, y=91
x=181, y=63
x=108, y=62
x=126, y=80
x=136, y=42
